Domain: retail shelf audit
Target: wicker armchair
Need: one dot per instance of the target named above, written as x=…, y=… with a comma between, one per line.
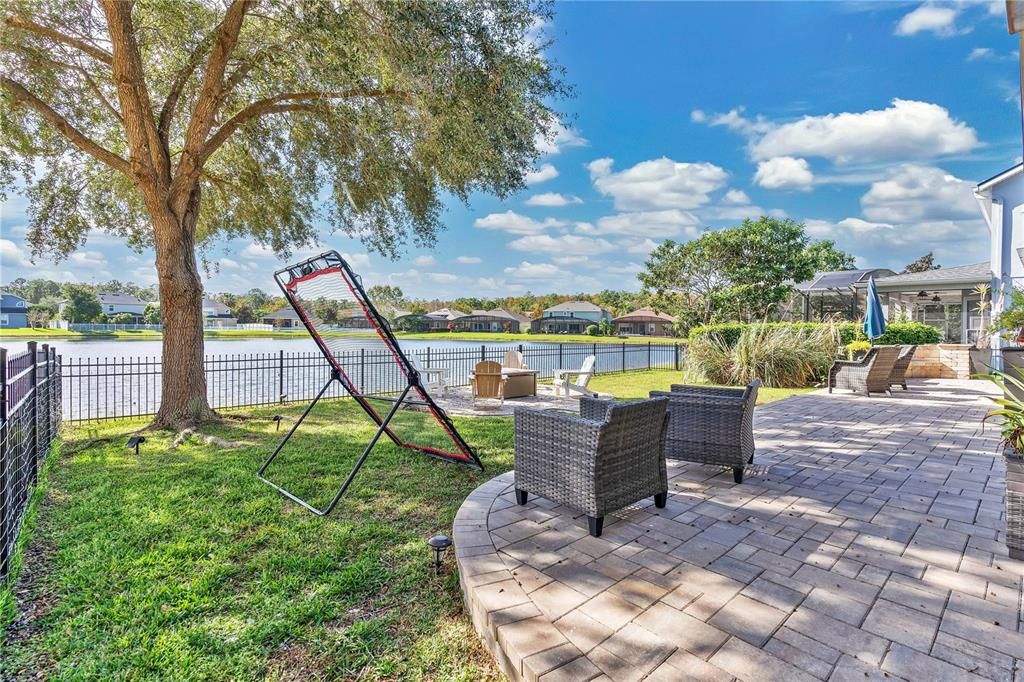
x=898, y=377
x=868, y=375
x=608, y=457
x=711, y=425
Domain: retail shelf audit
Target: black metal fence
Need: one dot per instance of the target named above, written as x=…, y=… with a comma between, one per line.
x=111, y=388
x=30, y=416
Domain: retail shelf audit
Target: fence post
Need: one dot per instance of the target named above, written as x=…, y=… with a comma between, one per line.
x=46, y=397
x=648, y=355
x=280, y=376
x=428, y=356
x=33, y=411
x=676, y=356
x=362, y=368
x=483, y=352
x=5, y=467
x=623, y=356
x=561, y=365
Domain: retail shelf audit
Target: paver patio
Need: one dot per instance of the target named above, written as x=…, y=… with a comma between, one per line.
x=866, y=543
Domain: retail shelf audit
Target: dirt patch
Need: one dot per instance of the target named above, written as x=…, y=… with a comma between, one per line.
x=32, y=601
x=291, y=662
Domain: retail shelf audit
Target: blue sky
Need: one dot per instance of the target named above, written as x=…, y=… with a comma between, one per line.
x=871, y=122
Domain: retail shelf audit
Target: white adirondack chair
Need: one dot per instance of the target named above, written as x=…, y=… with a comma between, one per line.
x=434, y=379
x=514, y=360
x=582, y=375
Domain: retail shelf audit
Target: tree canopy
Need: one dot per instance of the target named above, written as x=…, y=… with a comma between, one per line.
x=175, y=124
x=738, y=273
x=921, y=264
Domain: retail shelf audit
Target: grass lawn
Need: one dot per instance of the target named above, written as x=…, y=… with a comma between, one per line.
x=634, y=385
x=41, y=334
x=498, y=337
x=180, y=564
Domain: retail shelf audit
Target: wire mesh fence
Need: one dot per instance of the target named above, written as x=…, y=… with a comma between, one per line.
x=30, y=417
x=111, y=387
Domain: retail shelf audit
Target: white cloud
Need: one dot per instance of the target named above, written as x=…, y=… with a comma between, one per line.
x=819, y=229
x=360, y=261
x=228, y=263
x=639, y=247
x=667, y=223
x=981, y=53
x=468, y=260
x=733, y=120
x=528, y=270
x=657, y=184
x=515, y=223
x=735, y=197
x=12, y=255
x=784, y=172
x=424, y=260
x=562, y=136
x=569, y=260
x=297, y=253
x=89, y=259
x=915, y=193
x=861, y=226
x=567, y=244
x=442, y=277
x=553, y=199
x=906, y=129
x=543, y=174
x=929, y=17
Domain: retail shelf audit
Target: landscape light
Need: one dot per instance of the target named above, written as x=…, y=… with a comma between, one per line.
x=277, y=420
x=135, y=442
x=439, y=543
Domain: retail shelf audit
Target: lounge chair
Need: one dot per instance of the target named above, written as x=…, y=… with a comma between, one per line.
x=711, y=425
x=487, y=381
x=868, y=375
x=433, y=378
x=898, y=377
x=608, y=457
x=583, y=374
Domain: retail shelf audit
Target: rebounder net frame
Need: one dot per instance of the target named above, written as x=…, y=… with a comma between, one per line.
x=330, y=273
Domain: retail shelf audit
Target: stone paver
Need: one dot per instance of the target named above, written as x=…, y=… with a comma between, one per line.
x=865, y=543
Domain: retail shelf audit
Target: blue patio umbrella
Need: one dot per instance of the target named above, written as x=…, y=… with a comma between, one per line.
x=874, y=320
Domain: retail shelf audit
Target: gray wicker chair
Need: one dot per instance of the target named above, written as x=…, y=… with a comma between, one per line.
x=711, y=425
x=868, y=375
x=898, y=377
x=608, y=457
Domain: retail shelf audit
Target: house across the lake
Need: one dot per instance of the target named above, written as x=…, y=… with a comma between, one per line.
x=285, y=318
x=571, y=317
x=497, y=320
x=217, y=315
x=115, y=304
x=643, y=322
x=441, y=320
x=13, y=311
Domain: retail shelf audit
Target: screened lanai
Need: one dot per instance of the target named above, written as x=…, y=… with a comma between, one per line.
x=833, y=295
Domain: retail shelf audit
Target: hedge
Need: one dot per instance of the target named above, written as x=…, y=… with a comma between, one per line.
x=897, y=333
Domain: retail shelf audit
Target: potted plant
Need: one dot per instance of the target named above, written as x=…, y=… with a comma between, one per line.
x=981, y=350
x=1011, y=409
x=857, y=349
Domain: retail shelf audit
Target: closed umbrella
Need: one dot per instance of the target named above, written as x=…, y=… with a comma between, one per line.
x=874, y=320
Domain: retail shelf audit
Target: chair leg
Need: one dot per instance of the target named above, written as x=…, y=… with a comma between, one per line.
x=660, y=500
x=596, y=524
x=737, y=474
x=521, y=496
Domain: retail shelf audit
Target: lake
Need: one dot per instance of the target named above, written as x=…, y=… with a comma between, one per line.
x=107, y=379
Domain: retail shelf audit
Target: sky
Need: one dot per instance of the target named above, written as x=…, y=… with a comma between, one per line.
x=870, y=122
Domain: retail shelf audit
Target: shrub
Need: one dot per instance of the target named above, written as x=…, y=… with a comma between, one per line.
x=592, y=330
x=897, y=333
x=777, y=354
x=858, y=346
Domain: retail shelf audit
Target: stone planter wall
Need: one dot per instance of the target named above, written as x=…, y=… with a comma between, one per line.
x=941, y=361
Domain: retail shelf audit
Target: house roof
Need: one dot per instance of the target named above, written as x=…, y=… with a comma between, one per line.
x=840, y=279
x=497, y=312
x=108, y=298
x=283, y=314
x=216, y=307
x=445, y=314
x=974, y=273
x=644, y=314
x=1002, y=176
x=576, y=307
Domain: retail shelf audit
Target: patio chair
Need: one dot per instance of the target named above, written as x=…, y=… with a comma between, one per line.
x=583, y=374
x=433, y=379
x=898, y=377
x=608, y=457
x=487, y=381
x=513, y=360
x=711, y=425
x=868, y=375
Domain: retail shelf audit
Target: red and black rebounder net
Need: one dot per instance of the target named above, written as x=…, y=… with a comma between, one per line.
x=365, y=358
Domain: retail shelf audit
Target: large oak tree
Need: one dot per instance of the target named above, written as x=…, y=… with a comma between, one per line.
x=173, y=123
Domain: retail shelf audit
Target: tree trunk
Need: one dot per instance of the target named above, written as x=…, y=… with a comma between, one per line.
x=183, y=400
